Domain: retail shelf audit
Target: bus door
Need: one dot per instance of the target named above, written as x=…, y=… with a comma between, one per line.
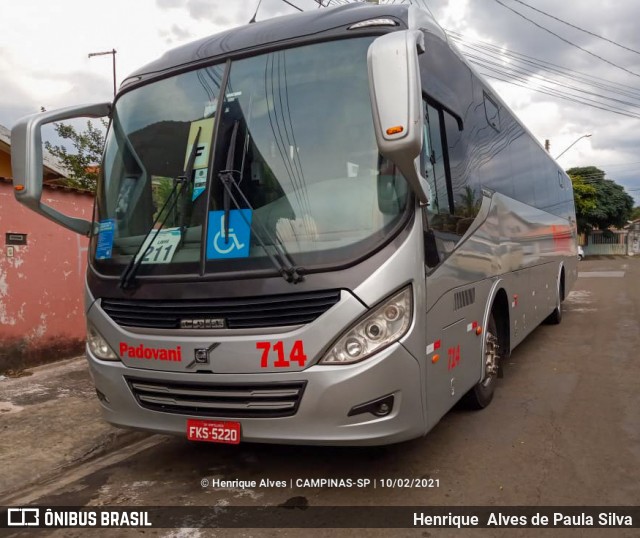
x=453, y=346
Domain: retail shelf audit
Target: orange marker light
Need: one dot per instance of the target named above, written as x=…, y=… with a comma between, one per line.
x=435, y=359
x=395, y=130
x=478, y=330
x=19, y=188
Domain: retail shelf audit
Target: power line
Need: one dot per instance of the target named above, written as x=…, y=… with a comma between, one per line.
x=490, y=50
x=521, y=72
x=520, y=75
x=488, y=63
x=539, y=62
x=545, y=81
x=577, y=27
x=551, y=91
x=292, y=5
x=566, y=40
x=555, y=93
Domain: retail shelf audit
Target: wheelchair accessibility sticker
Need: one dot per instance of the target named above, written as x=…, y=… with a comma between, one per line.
x=236, y=245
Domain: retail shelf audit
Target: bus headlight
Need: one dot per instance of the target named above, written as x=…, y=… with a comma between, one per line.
x=384, y=325
x=98, y=345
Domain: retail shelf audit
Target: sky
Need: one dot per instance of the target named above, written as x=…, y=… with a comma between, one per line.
x=587, y=66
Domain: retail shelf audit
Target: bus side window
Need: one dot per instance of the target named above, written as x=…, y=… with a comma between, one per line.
x=440, y=208
x=427, y=167
x=466, y=194
x=491, y=112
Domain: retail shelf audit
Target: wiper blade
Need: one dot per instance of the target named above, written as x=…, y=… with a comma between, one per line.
x=283, y=263
x=229, y=165
x=128, y=277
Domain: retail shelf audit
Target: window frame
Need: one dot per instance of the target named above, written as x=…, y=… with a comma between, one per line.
x=486, y=97
x=428, y=102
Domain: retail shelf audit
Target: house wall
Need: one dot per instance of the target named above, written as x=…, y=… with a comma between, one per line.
x=5, y=164
x=41, y=283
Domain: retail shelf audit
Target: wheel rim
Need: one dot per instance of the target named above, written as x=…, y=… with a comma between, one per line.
x=559, y=297
x=491, y=356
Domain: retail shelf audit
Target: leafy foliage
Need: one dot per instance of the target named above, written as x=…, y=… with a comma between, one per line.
x=600, y=203
x=584, y=195
x=83, y=163
x=635, y=214
x=469, y=206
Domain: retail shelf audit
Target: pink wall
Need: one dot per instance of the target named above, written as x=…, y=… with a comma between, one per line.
x=41, y=286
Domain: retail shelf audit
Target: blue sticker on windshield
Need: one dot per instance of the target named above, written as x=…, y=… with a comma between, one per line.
x=199, y=182
x=105, y=239
x=236, y=245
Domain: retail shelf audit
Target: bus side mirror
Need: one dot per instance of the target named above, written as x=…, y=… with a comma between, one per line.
x=26, y=160
x=396, y=101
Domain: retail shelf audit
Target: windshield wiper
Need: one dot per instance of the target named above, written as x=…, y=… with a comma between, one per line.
x=229, y=165
x=128, y=277
x=282, y=261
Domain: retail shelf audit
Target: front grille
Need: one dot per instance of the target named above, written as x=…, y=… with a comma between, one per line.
x=238, y=313
x=234, y=400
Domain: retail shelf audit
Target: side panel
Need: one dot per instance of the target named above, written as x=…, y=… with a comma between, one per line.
x=510, y=219
x=459, y=291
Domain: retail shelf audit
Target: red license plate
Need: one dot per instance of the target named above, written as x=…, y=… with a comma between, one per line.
x=213, y=432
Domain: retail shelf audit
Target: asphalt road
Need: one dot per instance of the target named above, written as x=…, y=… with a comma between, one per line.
x=563, y=429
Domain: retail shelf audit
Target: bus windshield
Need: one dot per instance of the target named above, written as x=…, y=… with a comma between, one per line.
x=293, y=132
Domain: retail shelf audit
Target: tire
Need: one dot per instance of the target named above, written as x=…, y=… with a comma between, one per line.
x=481, y=395
x=556, y=316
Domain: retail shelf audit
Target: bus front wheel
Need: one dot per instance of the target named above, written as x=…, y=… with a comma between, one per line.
x=481, y=395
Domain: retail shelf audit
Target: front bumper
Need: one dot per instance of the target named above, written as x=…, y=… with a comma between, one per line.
x=321, y=418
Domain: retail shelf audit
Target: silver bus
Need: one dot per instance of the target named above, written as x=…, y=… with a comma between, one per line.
x=323, y=228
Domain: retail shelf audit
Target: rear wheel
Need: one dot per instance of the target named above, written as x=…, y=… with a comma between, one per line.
x=556, y=316
x=481, y=395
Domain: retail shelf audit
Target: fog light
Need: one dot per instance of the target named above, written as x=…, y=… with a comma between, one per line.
x=380, y=407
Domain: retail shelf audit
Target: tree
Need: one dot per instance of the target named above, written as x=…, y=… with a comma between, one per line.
x=635, y=214
x=584, y=195
x=81, y=165
x=600, y=203
x=469, y=205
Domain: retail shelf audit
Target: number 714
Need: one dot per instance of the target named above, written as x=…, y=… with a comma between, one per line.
x=296, y=355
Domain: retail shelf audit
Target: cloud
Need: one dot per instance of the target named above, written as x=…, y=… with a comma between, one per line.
x=615, y=138
x=168, y=4
x=175, y=34
x=38, y=70
x=229, y=14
